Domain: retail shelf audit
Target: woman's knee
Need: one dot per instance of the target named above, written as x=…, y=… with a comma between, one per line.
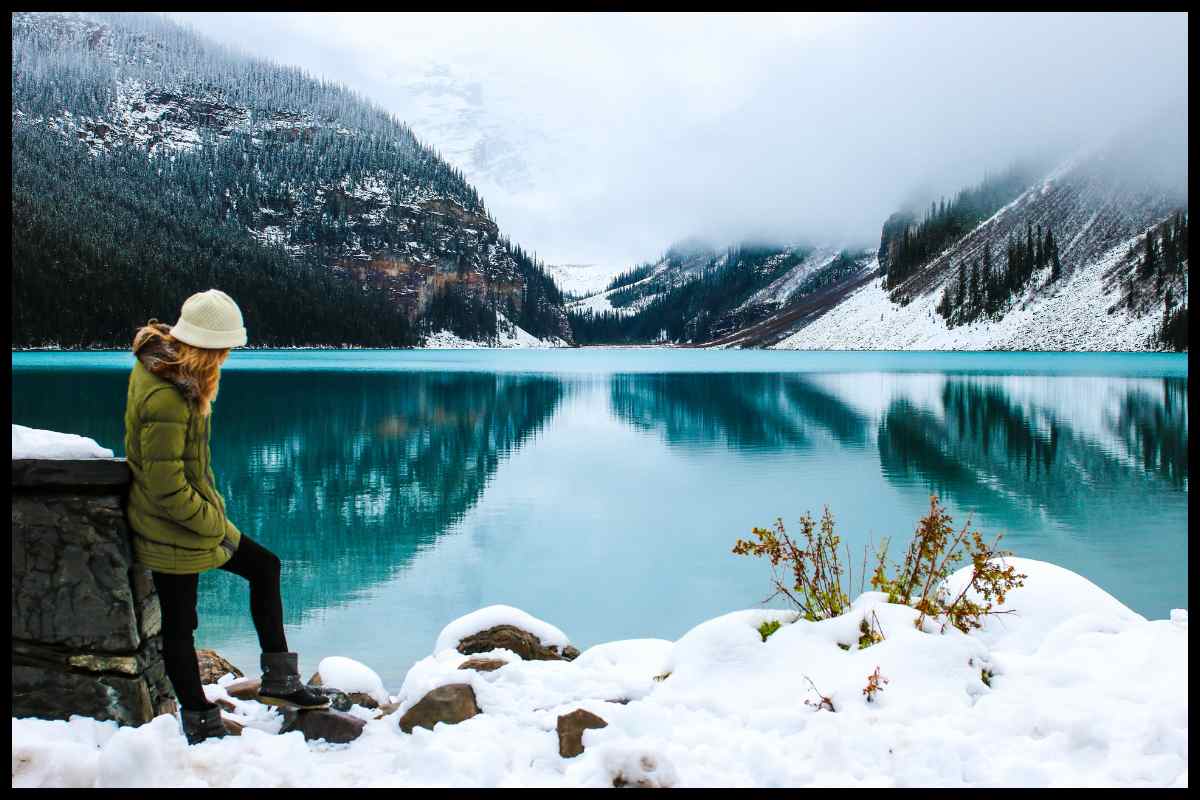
x=267, y=567
x=272, y=566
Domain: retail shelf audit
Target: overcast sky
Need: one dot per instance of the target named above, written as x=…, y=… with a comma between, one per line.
x=625, y=133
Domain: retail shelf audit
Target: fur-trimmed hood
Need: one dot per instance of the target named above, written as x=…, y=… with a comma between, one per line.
x=157, y=356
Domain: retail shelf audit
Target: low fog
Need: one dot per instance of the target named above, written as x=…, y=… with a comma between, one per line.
x=601, y=139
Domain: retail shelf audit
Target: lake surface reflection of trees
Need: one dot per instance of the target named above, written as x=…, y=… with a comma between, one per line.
x=750, y=410
x=992, y=453
x=990, y=450
x=347, y=476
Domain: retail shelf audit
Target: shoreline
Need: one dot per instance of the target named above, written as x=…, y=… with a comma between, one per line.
x=331, y=348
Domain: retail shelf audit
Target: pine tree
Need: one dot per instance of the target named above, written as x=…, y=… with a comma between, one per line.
x=1055, y=264
x=1149, y=257
x=1039, y=254
x=1027, y=264
x=962, y=285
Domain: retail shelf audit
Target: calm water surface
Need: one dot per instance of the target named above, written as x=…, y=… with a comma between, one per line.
x=602, y=489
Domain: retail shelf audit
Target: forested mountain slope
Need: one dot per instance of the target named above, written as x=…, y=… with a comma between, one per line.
x=149, y=163
x=1093, y=255
x=698, y=295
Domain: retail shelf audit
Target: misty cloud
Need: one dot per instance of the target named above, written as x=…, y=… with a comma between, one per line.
x=604, y=138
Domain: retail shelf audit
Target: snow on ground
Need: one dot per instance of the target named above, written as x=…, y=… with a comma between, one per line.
x=352, y=676
x=35, y=443
x=1071, y=317
x=581, y=280
x=783, y=286
x=510, y=336
x=1079, y=691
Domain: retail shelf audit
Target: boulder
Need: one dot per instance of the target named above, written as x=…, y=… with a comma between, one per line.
x=521, y=642
x=336, y=727
x=213, y=666
x=482, y=664
x=570, y=731
x=450, y=704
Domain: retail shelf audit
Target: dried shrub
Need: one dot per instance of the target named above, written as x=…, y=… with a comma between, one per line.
x=822, y=702
x=869, y=631
x=816, y=572
x=933, y=554
x=936, y=550
x=874, y=685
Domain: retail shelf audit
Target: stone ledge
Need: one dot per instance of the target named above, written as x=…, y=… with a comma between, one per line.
x=72, y=474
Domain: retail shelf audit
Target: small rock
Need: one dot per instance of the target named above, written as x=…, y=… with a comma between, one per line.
x=482, y=664
x=232, y=726
x=363, y=699
x=227, y=705
x=450, y=704
x=570, y=731
x=244, y=688
x=342, y=700
x=521, y=642
x=338, y=700
x=213, y=666
x=333, y=726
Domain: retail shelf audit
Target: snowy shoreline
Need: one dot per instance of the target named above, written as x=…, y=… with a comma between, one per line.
x=1071, y=688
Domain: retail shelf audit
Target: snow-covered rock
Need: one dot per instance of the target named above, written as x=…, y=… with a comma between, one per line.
x=352, y=677
x=494, y=616
x=36, y=443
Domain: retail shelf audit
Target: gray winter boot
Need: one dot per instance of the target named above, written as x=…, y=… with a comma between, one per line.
x=201, y=725
x=281, y=684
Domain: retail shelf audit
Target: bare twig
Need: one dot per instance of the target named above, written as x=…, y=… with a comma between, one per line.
x=825, y=701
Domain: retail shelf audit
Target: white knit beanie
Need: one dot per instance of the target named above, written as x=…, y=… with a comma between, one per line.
x=210, y=320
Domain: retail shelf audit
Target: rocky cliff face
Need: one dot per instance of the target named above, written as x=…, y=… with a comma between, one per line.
x=85, y=618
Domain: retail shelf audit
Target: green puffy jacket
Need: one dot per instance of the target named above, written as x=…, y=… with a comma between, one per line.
x=175, y=511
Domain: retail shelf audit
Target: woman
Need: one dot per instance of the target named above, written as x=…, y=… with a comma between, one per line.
x=178, y=517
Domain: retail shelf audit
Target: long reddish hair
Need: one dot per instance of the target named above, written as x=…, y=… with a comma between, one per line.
x=198, y=367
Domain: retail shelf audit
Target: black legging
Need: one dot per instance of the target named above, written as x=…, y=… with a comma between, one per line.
x=177, y=597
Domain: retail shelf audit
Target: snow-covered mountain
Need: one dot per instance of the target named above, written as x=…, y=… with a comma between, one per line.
x=1100, y=207
x=743, y=295
x=266, y=154
x=1027, y=260
x=580, y=280
x=452, y=113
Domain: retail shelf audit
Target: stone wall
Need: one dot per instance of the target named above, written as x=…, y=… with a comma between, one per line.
x=85, y=618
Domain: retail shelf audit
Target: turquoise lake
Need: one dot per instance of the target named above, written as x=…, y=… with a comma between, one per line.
x=602, y=489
